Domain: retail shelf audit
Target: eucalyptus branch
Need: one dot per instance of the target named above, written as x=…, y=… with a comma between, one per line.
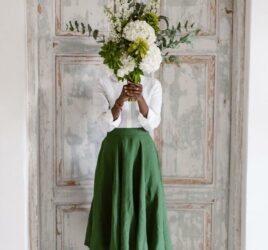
x=75, y=26
x=171, y=38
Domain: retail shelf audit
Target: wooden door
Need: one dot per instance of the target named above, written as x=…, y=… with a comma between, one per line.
x=193, y=139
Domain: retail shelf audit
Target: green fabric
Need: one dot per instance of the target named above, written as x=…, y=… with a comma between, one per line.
x=128, y=210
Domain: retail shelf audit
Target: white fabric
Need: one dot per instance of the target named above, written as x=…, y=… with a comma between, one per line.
x=108, y=89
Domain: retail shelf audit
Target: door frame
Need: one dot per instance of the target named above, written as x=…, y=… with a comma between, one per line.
x=239, y=123
x=239, y=110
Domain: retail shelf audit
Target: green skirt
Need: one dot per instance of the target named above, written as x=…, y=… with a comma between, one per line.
x=128, y=210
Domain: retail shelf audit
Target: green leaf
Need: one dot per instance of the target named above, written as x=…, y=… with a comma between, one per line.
x=83, y=28
x=76, y=25
x=164, y=41
x=95, y=34
x=89, y=29
x=179, y=27
x=186, y=24
x=71, y=26
x=197, y=31
x=111, y=55
x=138, y=49
x=165, y=18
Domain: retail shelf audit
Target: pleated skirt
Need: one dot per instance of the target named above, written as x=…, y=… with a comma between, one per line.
x=128, y=210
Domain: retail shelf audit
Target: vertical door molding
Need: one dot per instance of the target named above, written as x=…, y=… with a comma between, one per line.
x=238, y=146
x=32, y=11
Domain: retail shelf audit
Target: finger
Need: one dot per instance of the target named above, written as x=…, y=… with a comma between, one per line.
x=129, y=94
x=130, y=89
x=126, y=88
x=137, y=87
x=130, y=86
x=133, y=87
x=135, y=90
x=135, y=96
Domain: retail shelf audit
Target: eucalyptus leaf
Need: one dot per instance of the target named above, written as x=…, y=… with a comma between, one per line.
x=83, y=28
x=165, y=19
x=71, y=26
x=179, y=27
x=89, y=29
x=186, y=24
x=76, y=25
x=95, y=33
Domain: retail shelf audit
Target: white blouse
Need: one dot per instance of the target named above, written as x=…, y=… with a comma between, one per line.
x=108, y=89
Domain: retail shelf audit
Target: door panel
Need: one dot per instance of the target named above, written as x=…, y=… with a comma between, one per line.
x=187, y=124
x=193, y=139
x=78, y=137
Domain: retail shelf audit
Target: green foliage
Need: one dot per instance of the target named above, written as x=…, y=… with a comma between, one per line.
x=173, y=37
x=111, y=55
x=152, y=19
x=135, y=76
x=81, y=28
x=138, y=49
x=70, y=26
x=165, y=18
x=172, y=59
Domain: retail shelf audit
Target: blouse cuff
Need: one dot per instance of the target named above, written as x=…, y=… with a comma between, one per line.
x=110, y=119
x=146, y=122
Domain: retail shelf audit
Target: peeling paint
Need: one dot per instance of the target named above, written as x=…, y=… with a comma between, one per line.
x=228, y=11
x=39, y=8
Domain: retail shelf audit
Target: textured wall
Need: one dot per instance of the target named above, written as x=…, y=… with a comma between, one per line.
x=257, y=188
x=13, y=218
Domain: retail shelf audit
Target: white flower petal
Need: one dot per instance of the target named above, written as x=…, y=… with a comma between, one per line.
x=151, y=62
x=139, y=29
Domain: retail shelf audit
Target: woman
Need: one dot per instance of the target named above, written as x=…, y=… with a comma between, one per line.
x=128, y=207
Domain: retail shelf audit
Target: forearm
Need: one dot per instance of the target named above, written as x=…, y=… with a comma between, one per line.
x=143, y=107
x=116, y=109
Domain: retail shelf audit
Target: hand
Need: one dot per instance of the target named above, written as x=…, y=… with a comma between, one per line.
x=119, y=102
x=130, y=90
x=134, y=90
x=123, y=95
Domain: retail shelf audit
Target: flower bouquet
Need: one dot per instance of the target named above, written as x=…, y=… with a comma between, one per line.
x=136, y=43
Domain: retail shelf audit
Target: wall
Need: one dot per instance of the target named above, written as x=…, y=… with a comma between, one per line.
x=257, y=184
x=13, y=184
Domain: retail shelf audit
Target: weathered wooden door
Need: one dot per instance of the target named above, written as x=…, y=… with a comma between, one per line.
x=193, y=139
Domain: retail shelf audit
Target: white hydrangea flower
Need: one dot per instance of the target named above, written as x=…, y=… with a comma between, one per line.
x=121, y=72
x=139, y=29
x=128, y=65
x=152, y=60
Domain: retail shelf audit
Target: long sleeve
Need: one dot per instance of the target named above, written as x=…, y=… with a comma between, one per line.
x=154, y=113
x=102, y=113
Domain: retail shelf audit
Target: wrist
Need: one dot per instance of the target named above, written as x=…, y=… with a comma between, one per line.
x=119, y=102
x=140, y=99
x=118, y=105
